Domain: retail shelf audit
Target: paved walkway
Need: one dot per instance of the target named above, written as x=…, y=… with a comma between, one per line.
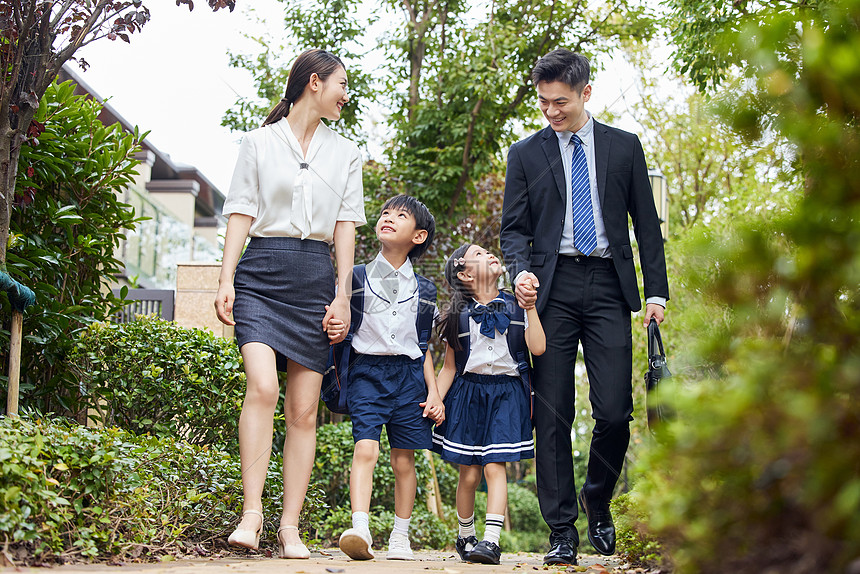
x=335, y=562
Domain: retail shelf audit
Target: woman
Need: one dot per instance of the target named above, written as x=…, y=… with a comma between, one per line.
x=296, y=189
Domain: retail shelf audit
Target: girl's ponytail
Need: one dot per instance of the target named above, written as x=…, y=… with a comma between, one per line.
x=309, y=62
x=449, y=327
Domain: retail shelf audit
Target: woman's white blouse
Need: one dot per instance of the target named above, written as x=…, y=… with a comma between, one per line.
x=291, y=195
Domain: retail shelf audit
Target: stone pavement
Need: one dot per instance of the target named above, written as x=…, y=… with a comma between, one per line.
x=333, y=561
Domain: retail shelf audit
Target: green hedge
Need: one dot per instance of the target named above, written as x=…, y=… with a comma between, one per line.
x=70, y=492
x=153, y=376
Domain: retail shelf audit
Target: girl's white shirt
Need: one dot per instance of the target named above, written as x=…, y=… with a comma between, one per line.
x=490, y=356
x=294, y=195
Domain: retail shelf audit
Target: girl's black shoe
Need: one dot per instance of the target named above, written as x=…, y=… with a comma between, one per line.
x=485, y=552
x=465, y=545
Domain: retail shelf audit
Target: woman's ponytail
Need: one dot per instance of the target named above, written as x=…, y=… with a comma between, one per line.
x=309, y=62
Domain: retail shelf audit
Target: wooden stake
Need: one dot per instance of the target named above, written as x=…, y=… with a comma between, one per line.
x=14, y=363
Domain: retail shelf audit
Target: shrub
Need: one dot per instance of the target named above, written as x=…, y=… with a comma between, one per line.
x=153, y=376
x=71, y=492
x=633, y=541
x=65, y=224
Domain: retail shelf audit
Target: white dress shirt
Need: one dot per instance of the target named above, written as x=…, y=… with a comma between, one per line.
x=390, y=311
x=490, y=356
x=566, y=146
x=292, y=195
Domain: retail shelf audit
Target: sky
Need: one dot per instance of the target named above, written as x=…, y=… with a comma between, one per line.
x=174, y=80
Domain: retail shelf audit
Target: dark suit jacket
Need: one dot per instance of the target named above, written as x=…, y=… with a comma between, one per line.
x=534, y=210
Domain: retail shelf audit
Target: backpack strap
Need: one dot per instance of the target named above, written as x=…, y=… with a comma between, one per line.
x=461, y=356
x=356, y=300
x=516, y=337
x=426, y=311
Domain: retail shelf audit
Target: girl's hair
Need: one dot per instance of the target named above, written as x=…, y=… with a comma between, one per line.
x=449, y=327
x=309, y=62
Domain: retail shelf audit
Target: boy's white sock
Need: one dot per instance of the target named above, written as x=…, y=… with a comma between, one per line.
x=401, y=525
x=467, y=526
x=361, y=521
x=494, y=528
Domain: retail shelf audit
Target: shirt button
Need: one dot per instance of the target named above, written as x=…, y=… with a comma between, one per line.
x=490, y=348
x=394, y=312
x=395, y=291
x=396, y=273
x=392, y=335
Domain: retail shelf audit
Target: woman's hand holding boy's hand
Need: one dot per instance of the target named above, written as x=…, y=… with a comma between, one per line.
x=434, y=408
x=335, y=329
x=337, y=311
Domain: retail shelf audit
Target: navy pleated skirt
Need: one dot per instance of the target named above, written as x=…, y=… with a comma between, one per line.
x=487, y=419
x=282, y=287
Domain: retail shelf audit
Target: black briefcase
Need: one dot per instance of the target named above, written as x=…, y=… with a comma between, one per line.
x=658, y=370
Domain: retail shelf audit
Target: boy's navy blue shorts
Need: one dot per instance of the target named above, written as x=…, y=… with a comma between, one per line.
x=386, y=390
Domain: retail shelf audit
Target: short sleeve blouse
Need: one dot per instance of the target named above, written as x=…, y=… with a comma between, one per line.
x=291, y=195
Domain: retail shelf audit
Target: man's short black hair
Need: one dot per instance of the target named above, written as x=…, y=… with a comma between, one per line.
x=563, y=66
x=423, y=220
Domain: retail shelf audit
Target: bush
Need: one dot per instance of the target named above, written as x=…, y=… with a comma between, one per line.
x=71, y=492
x=65, y=225
x=632, y=539
x=153, y=376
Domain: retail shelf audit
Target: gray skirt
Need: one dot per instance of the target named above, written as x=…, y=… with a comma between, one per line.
x=282, y=287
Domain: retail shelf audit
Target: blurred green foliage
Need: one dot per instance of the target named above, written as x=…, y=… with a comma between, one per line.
x=763, y=469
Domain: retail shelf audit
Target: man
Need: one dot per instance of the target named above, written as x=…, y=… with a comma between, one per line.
x=568, y=191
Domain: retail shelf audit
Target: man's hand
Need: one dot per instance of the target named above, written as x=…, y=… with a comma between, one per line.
x=653, y=310
x=526, y=290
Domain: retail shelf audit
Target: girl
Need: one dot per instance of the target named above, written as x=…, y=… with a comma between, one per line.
x=296, y=189
x=485, y=385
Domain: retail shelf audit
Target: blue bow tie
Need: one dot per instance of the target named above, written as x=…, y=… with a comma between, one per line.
x=491, y=317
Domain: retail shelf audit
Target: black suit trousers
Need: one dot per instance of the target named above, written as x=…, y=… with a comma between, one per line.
x=585, y=305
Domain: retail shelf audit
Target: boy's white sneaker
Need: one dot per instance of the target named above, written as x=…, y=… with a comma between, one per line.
x=356, y=544
x=399, y=547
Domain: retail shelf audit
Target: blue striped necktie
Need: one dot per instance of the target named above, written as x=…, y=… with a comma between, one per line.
x=584, y=232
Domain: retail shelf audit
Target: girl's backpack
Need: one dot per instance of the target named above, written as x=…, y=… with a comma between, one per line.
x=336, y=375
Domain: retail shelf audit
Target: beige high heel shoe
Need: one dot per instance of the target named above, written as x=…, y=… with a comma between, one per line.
x=247, y=538
x=295, y=551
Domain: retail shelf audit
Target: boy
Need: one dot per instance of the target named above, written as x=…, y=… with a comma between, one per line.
x=391, y=379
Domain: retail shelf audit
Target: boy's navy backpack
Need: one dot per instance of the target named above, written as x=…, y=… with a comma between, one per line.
x=336, y=376
x=516, y=338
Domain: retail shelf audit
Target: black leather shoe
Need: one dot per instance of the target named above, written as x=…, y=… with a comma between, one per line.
x=563, y=552
x=485, y=552
x=466, y=545
x=601, y=529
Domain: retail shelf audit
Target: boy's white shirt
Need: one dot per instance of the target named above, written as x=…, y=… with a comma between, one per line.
x=390, y=311
x=490, y=356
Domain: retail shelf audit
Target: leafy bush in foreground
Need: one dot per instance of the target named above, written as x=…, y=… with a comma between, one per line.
x=153, y=376
x=76, y=493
